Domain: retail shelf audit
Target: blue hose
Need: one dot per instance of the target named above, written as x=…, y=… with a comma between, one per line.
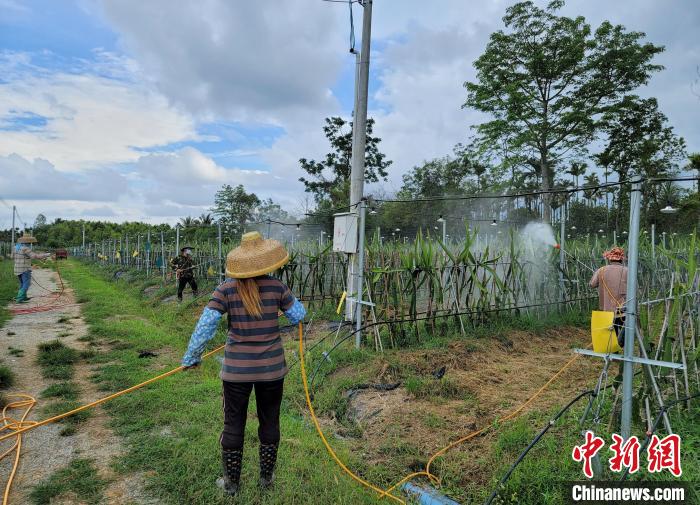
x=427, y=495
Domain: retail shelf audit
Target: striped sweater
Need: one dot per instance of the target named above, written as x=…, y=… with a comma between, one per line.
x=253, y=348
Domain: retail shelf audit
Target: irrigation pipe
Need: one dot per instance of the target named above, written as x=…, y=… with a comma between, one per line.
x=539, y=436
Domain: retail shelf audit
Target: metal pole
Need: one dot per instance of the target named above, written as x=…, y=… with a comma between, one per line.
x=653, y=243
x=359, y=137
x=269, y=224
x=138, y=251
x=444, y=231
x=148, y=252
x=83, y=236
x=14, y=211
x=360, y=271
x=128, y=252
x=162, y=254
x=177, y=246
x=562, y=258
x=614, y=237
x=631, y=309
x=221, y=274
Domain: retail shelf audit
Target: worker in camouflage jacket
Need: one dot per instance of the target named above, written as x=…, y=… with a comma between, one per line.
x=183, y=265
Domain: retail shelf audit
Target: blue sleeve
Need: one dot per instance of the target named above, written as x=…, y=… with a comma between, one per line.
x=203, y=333
x=296, y=312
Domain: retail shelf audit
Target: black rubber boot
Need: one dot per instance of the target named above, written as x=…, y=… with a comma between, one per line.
x=231, y=461
x=268, y=458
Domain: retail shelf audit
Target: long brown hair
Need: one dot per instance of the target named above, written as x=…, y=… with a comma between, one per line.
x=250, y=295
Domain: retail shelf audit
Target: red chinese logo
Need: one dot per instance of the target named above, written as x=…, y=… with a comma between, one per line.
x=665, y=454
x=586, y=451
x=625, y=454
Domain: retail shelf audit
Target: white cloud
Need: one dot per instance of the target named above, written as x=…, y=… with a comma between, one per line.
x=92, y=119
x=250, y=61
x=22, y=179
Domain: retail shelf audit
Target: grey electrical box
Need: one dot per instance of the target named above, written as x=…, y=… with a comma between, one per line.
x=345, y=232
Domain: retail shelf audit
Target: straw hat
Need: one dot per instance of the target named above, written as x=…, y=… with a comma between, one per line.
x=26, y=238
x=255, y=256
x=614, y=254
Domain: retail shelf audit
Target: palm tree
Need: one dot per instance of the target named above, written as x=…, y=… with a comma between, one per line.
x=187, y=222
x=591, y=181
x=206, y=219
x=577, y=169
x=694, y=164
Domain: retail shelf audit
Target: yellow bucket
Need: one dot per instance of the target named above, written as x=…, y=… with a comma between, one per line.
x=602, y=332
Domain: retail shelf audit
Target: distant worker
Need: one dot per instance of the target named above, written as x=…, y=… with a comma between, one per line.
x=23, y=256
x=183, y=265
x=611, y=281
x=254, y=356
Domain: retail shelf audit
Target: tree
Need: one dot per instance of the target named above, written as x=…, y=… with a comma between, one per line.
x=269, y=210
x=329, y=179
x=188, y=222
x=694, y=164
x=40, y=221
x=234, y=207
x=547, y=81
x=206, y=219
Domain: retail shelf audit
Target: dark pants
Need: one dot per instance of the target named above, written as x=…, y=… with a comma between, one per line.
x=184, y=281
x=619, y=325
x=268, y=398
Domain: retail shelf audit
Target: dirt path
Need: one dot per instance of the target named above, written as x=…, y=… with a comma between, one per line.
x=44, y=451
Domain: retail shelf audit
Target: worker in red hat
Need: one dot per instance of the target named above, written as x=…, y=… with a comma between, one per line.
x=611, y=281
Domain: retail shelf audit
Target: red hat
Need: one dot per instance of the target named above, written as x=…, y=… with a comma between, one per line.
x=614, y=254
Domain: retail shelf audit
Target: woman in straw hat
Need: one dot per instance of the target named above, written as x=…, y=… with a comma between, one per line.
x=611, y=281
x=254, y=357
x=23, y=256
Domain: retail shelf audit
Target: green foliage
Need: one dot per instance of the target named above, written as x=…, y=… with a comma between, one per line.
x=80, y=478
x=547, y=80
x=234, y=206
x=7, y=377
x=334, y=190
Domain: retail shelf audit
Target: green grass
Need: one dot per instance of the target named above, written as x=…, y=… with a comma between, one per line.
x=79, y=478
x=70, y=424
x=56, y=360
x=14, y=351
x=65, y=390
x=7, y=377
x=8, y=288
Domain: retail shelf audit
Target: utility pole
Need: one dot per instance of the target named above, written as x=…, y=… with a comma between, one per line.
x=359, y=140
x=631, y=310
x=360, y=280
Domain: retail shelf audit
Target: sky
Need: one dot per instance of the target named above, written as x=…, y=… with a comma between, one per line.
x=132, y=110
